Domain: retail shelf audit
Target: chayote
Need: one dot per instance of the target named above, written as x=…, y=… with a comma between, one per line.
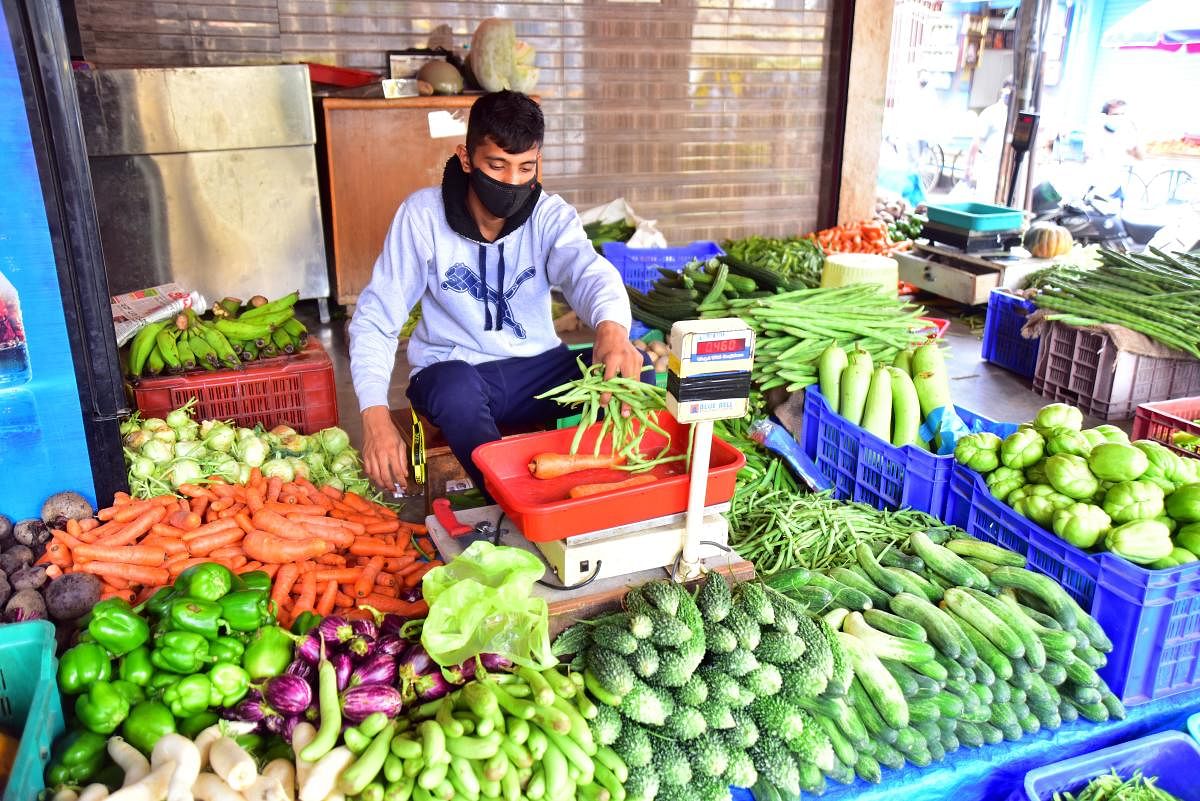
x=1141, y=541
x=1114, y=462
x=980, y=452
x=1070, y=475
x=1003, y=481
x=1184, y=504
x=1081, y=524
x=1133, y=500
x=1059, y=414
x=1022, y=448
x=1061, y=439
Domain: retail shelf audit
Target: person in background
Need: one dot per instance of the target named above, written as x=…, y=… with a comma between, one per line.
x=481, y=253
x=987, y=148
x=1112, y=149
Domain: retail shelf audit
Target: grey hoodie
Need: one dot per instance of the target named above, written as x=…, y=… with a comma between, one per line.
x=480, y=301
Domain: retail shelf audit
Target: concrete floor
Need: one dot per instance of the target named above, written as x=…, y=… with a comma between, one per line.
x=976, y=385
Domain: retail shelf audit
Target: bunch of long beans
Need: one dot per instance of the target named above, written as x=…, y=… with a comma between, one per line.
x=1157, y=294
x=794, y=328
x=644, y=401
x=1110, y=787
x=779, y=529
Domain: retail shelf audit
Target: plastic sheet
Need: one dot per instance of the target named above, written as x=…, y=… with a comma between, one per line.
x=997, y=772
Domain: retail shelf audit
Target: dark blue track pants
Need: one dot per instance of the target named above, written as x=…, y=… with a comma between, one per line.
x=469, y=402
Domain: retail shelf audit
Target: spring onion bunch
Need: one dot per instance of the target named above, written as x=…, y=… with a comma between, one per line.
x=164, y=453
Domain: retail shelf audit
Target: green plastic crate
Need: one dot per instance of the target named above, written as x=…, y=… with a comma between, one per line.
x=29, y=702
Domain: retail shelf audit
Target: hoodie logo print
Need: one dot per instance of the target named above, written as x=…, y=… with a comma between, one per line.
x=461, y=278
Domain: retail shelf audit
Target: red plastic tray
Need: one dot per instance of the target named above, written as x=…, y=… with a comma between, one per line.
x=298, y=391
x=542, y=510
x=339, y=76
x=937, y=326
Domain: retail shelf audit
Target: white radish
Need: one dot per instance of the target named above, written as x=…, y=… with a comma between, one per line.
x=266, y=788
x=183, y=752
x=233, y=764
x=94, y=792
x=302, y=735
x=152, y=787
x=210, y=787
x=285, y=771
x=206, y=738
x=324, y=775
x=129, y=760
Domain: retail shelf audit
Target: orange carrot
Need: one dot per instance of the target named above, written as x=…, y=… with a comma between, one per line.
x=374, y=547
x=134, y=554
x=250, y=567
x=137, y=574
x=585, y=490
x=334, y=535
x=334, y=559
x=385, y=580
x=308, y=593
x=265, y=547
x=58, y=554
x=357, y=502
x=365, y=583
x=225, y=552
x=66, y=538
x=134, y=531
x=328, y=598
x=166, y=530
x=403, y=608
x=343, y=600
x=215, y=527
x=231, y=511
x=274, y=487
x=342, y=575
x=553, y=465
x=385, y=527
x=414, y=578
x=199, y=506
x=280, y=526
x=53, y=571
x=193, y=491
x=284, y=580
x=199, y=546
x=89, y=524
x=333, y=493
x=243, y=522
x=129, y=513
x=73, y=528
x=108, y=592
x=175, y=568
x=223, y=491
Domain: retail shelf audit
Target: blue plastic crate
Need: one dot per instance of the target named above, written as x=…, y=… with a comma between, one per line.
x=1194, y=726
x=639, y=267
x=864, y=468
x=1003, y=344
x=1152, y=616
x=1171, y=756
x=976, y=216
x=29, y=702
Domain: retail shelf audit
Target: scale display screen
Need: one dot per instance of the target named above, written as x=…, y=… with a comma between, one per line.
x=719, y=346
x=719, y=349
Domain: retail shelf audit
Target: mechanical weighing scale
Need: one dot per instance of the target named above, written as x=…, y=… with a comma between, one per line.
x=708, y=379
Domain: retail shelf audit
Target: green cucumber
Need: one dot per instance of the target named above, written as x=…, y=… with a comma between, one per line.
x=1035, y=652
x=940, y=629
x=946, y=563
x=969, y=546
x=895, y=625
x=968, y=607
x=879, y=598
x=1043, y=588
x=879, y=576
x=989, y=654
x=917, y=584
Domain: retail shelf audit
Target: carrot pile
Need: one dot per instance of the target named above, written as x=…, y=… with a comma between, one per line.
x=870, y=236
x=327, y=551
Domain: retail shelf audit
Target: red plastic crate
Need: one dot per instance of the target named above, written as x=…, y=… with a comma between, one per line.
x=935, y=326
x=339, y=76
x=1160, y=419
x=542, y=510
x=1085, y=369
x=296, y=391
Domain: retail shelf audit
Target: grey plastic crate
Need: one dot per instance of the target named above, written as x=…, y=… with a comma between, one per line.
x=1084, y=368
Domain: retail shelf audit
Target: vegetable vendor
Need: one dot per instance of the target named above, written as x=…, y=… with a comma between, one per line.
x=481, y=254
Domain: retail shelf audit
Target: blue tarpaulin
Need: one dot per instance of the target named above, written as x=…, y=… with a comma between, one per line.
x=997, y=772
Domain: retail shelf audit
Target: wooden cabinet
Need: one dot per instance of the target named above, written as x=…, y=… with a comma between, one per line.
x=378, y=152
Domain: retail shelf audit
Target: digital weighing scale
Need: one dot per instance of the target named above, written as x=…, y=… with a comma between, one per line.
x=708, y=379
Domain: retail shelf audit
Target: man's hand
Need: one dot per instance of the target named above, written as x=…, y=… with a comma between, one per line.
x=384, y=455
x=618, y=355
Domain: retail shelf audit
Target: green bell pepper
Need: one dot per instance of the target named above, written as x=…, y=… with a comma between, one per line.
x=1112, y=462
x=1081, y=524
x=254, y=580
x=83, y=666
x=192, y=614
x=205, y=582
x=117, y=627
x=188, y=696
x=180, y=652
x=269, y=653
x=229, y=684
x=1003, y=481
x=102, y=708
x=227, y=649
x=136, y=666
x=1059, y=415
x=147, y=721
x=1133, y=500
x=1022, y=448
x=1140, y=542
x=1071, y=476
x=305, y=622
x=246, y=610
x=190, y=726
x=1061, y=439
x=980, y=452
x=80, y=756
x=1184, y=504
x=159, y=604
x=131, y=692
x=162, y=679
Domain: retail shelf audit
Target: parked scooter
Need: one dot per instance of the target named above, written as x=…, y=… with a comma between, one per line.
x=1096, y=219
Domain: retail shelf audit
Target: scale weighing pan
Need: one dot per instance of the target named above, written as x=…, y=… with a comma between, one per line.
x=542, y=509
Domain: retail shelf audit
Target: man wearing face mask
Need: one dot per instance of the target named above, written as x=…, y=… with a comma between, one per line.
x=481, y=254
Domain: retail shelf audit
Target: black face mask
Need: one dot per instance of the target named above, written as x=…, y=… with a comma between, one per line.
x=501, y=199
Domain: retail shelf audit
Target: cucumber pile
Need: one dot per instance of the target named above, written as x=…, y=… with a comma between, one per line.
x=235, y=333
x=699, y=694
x=950, y=646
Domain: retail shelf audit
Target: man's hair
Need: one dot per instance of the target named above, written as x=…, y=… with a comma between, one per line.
x=1112, y=105
x=510, y=119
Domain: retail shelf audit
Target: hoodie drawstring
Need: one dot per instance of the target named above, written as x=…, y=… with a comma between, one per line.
x=483, y=277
